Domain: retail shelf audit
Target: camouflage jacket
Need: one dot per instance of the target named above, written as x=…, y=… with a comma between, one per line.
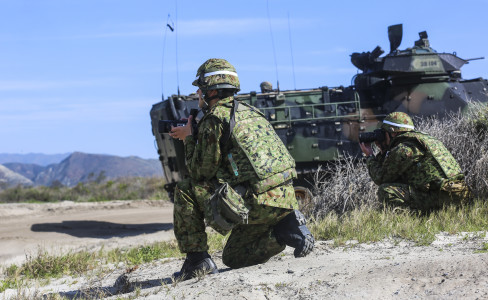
x=416, y=159
x=254, y=155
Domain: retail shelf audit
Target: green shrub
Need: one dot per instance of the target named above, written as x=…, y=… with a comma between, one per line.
x=117, y=189
x=144, y=254
x=7, y=284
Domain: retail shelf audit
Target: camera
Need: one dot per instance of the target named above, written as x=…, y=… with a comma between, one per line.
x=378, y=135
x=164, y=126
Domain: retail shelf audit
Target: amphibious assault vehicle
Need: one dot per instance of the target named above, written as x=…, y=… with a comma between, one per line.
x=323, y=124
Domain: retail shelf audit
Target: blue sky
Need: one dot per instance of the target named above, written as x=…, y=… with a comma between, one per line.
x=81, y=75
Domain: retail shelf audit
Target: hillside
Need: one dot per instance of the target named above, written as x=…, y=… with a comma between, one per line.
x=10, y=178
x=83, y=167
x=29, y=171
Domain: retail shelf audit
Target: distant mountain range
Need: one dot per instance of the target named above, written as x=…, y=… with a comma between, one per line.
x=78, y=167
x=33, y=158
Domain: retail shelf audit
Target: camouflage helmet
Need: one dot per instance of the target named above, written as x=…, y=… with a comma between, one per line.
x=216, y=74
x=266, y=86
x=397, y=122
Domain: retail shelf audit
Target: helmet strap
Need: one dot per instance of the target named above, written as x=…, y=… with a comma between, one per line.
x=391, y=140
x=208, y=99
x=205, y=107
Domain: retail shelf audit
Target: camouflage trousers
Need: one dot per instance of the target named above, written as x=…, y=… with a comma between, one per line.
x=248, y=244
x=404, y=195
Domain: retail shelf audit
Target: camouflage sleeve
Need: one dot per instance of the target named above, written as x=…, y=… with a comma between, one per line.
x=189, y=147
x=392, y=166
x=205, y=156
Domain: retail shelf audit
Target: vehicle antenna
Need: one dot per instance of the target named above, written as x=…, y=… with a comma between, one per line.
x=171, y=27
x=272, y=43
x=291, y=52
x=177, y=68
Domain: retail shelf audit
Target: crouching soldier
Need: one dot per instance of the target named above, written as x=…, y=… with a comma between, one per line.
x=414, y=169
x=240, y=181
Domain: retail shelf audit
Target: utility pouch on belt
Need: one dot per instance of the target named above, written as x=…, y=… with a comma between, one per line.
x=226, y=209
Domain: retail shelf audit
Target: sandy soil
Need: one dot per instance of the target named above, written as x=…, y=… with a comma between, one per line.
x=451, y=268
x=68, y=225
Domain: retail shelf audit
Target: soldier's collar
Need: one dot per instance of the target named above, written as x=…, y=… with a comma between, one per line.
x=223, y=102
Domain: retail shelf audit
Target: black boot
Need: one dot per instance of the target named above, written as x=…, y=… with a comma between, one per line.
x=292, y=231
x=194, y=262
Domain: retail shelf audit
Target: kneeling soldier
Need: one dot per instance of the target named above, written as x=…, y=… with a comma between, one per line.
x=241, y=178
x=414, y=169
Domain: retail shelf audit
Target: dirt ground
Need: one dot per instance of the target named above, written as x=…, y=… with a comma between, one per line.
x=69, y=225
x=453, y=267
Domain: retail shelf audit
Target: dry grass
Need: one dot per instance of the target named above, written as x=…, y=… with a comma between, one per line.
x=43, y=265
x=345, y=186
x=341, y=187
x=372, y=225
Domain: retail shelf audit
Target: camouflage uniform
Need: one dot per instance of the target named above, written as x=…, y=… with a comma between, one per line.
x=418, y=171
x=270, y=198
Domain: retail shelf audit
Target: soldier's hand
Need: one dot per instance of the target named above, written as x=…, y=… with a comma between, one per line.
x=366, y=148
x=381, y=146
x=181, y=132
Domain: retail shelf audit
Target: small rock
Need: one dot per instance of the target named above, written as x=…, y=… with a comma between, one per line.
x=122, y=284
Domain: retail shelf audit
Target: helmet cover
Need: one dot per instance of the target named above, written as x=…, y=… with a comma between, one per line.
x=266, y=86
x=215, y=74
x=397, y=122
